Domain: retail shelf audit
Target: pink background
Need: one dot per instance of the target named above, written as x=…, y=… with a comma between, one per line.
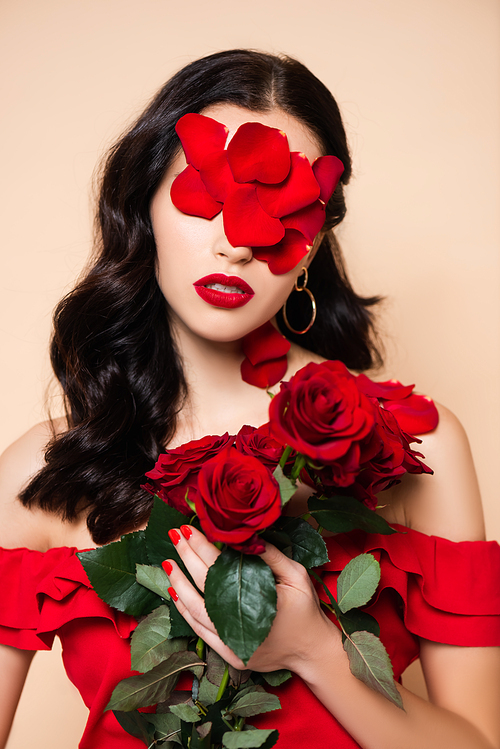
x=418, y=84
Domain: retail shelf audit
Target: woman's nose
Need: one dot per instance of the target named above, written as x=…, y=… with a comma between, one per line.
x=223, y=248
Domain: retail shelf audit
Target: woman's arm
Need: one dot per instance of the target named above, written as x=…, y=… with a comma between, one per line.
x=14, y=665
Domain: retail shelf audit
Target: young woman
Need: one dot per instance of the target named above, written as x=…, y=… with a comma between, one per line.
x=148, y=349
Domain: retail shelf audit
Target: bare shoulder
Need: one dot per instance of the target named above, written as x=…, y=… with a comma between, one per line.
x=298, y=357
x=447, y=503
x=20, y=526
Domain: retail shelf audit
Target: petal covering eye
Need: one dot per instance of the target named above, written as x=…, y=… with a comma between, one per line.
x=246, y=223
x=190, y=195
x=259, y=153
x=272, y=200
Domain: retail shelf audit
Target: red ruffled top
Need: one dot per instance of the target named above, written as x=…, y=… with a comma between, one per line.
x=430, y=587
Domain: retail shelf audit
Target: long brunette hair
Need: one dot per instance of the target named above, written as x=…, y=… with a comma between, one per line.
x=112, y=349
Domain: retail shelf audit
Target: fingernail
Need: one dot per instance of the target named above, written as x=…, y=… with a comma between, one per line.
x=174, y=536
x=167, y=567
x=186, y=531
x=173, y=594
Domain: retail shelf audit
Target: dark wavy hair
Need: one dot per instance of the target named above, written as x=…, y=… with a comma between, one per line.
x=112, y=349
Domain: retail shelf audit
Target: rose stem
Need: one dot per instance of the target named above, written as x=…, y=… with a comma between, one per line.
x=200, y=649
x=299, y=464
x=223, y=684
x=284, y=457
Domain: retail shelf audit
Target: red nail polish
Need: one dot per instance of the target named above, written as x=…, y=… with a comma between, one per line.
x=186, y=531
x=167, y=567
x=173, y=594
x=174, y=536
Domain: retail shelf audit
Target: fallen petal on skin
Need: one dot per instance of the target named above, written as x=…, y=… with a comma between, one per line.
x=265, y=343
x=416, y=414
x=264, y=375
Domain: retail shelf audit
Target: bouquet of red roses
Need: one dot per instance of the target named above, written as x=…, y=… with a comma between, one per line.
x=332, y=431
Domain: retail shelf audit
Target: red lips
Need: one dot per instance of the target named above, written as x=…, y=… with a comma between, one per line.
x=221, y=298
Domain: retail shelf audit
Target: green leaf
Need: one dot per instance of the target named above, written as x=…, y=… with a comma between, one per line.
x=356, y=620
x=204, y=730
x=254, y=702
x=136, y=724
x=216, y=667
x=370, y=663
x=275, y=678
x=308, y=548
x=256, y=737
x=240, y=598
x=153, y=578
x=279, y=539
x=344, y=514
x=357, y=582
x=287, y=486
x=111, y=570
x=155, y=685
x=167, y=725
x=214, y=716
x=208, y=692
x=187, y=713
x=150, y=644
x=238, y=677
x=159, y=546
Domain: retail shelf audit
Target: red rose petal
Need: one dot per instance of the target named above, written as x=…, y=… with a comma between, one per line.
x=189, y=195
x=258, y=152
x=265, y=350
x=200, y=136
x=285, y=255
x=387, y=390
x=416, y=414
x=298, y=190
x=264, y=375
x=264, y=343
x=308, y=220
x=245, y=222
x=216, y=175
x=327, y=170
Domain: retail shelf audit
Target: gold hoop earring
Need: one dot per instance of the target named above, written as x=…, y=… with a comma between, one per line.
x=296, y=287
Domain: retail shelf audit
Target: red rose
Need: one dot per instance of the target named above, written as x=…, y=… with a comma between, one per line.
x=385, y=457
x=176, y=471
x=321, y=413
x=237, y=497
x=261, y=444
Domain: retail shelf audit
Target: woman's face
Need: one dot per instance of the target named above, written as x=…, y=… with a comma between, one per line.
x=190, y=249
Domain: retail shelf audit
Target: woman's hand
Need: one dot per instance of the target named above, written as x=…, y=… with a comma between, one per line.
x=300, y=631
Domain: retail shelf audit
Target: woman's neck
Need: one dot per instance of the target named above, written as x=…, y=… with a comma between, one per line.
x=218, y=400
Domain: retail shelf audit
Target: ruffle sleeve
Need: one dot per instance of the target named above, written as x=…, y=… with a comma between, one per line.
x=43, y=591
x=449, y=592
